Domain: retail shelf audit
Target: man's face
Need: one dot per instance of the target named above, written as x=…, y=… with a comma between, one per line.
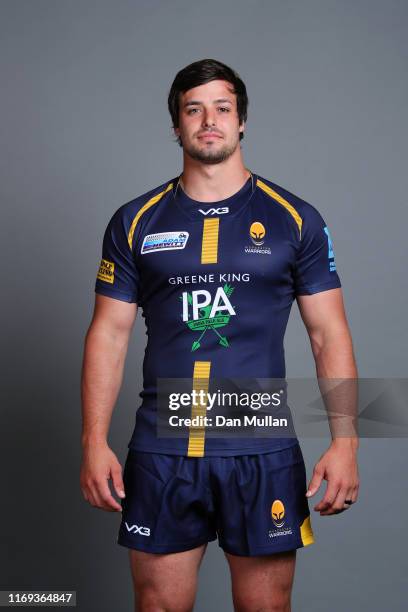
x=208, y=122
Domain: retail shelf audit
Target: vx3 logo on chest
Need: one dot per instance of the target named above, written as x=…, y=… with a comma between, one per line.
x=214, y=211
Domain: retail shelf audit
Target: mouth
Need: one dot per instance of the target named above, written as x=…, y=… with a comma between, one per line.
x=209, y=136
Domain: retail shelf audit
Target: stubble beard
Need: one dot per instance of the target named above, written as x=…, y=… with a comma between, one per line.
x=209, y=155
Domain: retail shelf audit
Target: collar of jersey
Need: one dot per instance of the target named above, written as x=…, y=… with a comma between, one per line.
x=235, y=202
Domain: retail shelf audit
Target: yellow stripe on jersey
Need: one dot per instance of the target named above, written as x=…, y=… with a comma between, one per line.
x=196, y=439
x=201, y=375
x=306, y=532
x=273, y=194
x=145, y=207
x=209, y=246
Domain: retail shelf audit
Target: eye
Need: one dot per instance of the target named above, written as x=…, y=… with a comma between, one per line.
x=191, y=111
x=224, y=108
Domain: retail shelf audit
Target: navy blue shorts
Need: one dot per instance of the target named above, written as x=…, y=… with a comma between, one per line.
x=254, y=504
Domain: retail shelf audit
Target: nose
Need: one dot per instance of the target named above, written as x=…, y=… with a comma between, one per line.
x=208, y=118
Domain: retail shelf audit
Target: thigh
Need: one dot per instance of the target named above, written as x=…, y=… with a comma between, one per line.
x=165, y=581
x=261, y=502
x=262, y=583
x=166, y=505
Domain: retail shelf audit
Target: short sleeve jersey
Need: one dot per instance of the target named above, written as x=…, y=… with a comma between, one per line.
x=215, y=282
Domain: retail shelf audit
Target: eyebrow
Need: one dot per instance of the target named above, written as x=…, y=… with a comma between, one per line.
x=218, y=101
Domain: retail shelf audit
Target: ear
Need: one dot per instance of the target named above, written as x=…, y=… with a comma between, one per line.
x=242, y=127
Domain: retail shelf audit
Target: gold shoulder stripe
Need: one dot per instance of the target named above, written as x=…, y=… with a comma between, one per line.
x=273, y=194
x=148, y=204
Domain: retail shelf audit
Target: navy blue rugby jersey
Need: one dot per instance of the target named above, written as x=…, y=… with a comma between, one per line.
x=215, y=281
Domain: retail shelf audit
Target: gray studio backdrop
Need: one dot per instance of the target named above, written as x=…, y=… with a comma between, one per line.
x=84, y=129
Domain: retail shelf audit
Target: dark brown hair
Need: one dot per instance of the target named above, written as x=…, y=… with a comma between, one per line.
x=201, y=72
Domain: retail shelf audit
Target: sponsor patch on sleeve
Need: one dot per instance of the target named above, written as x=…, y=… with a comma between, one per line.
x=106, y=271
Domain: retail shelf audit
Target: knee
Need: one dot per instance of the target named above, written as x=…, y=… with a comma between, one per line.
x=148, y=599
x=263, y=608
x=279, y=603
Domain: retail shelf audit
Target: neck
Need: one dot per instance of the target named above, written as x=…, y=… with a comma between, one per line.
x=213, y=182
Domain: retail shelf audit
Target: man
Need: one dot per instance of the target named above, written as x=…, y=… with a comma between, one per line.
x=215, y=257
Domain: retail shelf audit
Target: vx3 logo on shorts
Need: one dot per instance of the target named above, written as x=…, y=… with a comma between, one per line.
x=135, y=529
x=215, y=211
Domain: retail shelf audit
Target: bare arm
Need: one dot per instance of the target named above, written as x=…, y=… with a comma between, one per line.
x=105, y=352
x=325, y=320
x=324, y=317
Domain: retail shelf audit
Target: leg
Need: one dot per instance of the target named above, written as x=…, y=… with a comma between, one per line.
x=262, y=519
x=165, y=582
x=264, y=583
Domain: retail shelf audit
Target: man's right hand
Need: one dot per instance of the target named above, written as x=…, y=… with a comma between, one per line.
x=99, y=464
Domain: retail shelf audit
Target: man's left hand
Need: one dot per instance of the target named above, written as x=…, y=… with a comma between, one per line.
x=338, y=465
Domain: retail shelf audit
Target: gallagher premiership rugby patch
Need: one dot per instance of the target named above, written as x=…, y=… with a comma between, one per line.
x=106, y=271
x=164, y=241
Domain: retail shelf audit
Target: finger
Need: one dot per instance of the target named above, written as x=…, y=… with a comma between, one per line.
x=117, y=480
x=354, y=495
x=96, y=498
x=349, y=498
x=91, y=498
x=338, y=504
x=336, y=507
x=329, y=496
x=107, y=500
x=315, y=482
x=88, y=492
